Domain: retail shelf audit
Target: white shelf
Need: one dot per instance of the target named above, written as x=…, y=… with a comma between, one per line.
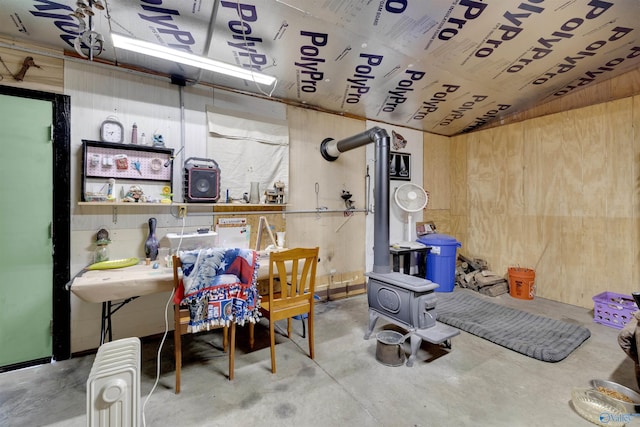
x=217, y=207
x=114, y=204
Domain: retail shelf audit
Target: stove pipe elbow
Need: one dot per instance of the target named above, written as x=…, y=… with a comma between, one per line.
x=331, y=149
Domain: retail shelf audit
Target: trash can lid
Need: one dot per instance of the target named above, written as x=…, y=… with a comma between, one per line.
x=439, y=240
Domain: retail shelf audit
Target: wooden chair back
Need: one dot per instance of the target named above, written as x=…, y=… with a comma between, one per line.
x=295, y=268
x=292, y=278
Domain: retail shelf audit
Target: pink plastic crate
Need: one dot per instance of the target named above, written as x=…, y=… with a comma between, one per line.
x=614, y=310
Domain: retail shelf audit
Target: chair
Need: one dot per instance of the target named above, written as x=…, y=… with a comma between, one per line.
x=181, y=317
x=296, y=294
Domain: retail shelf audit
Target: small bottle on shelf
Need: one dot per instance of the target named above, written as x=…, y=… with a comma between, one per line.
x=101, y=253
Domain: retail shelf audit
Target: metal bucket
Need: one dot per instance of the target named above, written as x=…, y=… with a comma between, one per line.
x=389, y=349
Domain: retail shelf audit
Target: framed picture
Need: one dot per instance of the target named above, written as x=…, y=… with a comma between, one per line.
x=400, y=166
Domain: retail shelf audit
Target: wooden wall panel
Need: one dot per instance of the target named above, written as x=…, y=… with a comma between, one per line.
x=459, y=218
x=458, y=226
x=48, y=77
x=486, y=163
x=558, y=194
x=340, y=238
x=617, y=120
x=458, y=170
x=546, y=249
x=544, y=151
x=635, y=178
x=622, y=86
x=436, y=176
x=442, y=218
x=571, y=284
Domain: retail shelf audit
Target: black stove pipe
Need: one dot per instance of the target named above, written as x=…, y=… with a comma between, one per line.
x=331, y=149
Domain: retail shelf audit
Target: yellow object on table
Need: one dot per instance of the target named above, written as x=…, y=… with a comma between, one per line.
x=116, y=263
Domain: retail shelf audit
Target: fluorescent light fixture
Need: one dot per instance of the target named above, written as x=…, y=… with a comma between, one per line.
x=186, y=58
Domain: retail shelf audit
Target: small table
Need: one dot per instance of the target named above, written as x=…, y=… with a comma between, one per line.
x=127, y=284
x=406, y=252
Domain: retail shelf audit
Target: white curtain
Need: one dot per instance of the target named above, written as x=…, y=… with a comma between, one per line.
x=248, y=148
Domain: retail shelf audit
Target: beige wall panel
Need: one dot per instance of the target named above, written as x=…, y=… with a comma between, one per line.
x=437, y=171
x=487, y=237
x=508, y=241
x=578, y=99
x=340, y=238
x=458, y=227
x=636, y=186
x=524, y=244
x=459, y=212
x=616, y=258
x=590, y=127
x=49, y=77
x=441, y=218
x=620, y=153
x=625, y=85
x=622, y=86
x=572, y=281
x=512, y=137
x=487, y=177
x=561, y=196
x=445, y=164
x=545, y=170
x=635, y=251
x=548, y=265
x=503, y=156
x=458, y=170
x=594, y=258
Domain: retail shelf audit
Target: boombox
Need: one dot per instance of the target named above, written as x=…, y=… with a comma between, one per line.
x=201, y=180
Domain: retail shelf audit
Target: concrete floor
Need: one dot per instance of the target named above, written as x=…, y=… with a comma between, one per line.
x=475, y=383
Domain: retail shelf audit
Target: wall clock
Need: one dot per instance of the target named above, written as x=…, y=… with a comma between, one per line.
x=111, y=130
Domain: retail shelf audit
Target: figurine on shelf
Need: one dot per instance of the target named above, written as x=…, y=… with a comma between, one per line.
x=275, y=195
x=151, y=244
x=135, y=194
x=158, y=140
x=102, y=240
x=111, y=184
x=166, y=195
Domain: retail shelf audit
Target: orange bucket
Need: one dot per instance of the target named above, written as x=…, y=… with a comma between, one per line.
x=522, y=282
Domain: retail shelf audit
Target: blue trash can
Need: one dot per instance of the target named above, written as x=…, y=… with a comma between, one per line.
x=441, y=260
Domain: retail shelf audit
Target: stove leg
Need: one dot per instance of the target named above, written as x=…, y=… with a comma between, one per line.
x=416, y=342
x=373, y=318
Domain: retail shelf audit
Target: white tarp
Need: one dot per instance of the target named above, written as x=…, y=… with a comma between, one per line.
x=248, y=148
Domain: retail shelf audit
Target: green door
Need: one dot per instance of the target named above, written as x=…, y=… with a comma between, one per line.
x=26, y=263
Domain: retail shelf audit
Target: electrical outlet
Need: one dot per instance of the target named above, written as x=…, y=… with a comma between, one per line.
x=182, y=211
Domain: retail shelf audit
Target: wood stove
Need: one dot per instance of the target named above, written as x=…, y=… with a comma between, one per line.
x=410, y=303
x=404, y=300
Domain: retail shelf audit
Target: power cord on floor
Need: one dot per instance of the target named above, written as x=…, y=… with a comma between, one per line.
x=164, y=336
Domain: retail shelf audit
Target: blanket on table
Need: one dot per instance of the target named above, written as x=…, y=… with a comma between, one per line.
x=219, y=287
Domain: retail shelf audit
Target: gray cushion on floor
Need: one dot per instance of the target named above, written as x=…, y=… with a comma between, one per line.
x=539, y=337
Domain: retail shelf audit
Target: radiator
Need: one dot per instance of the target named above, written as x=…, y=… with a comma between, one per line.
x=113, y=386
